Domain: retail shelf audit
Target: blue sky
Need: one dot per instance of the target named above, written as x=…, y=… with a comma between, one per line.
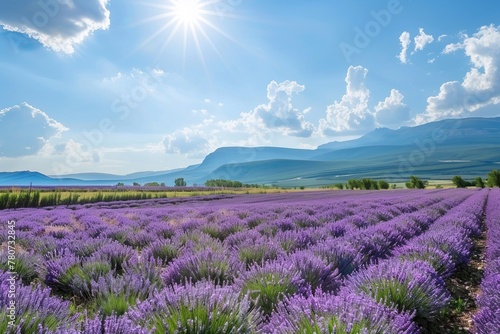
x=136, y=85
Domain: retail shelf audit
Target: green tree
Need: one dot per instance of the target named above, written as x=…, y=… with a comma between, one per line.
x=415, y=183
x=459, y=182
x=227, y=184
x=152, y=184
x=479, y=182
x=135, y=184
x=382, y=184
x=353, y=184
x=365, y=183
x=494, y=178
x=179, y=182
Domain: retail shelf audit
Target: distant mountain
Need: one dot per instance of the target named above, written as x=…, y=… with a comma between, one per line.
x=25, y=178
x=449, y=131
x=392, y=163
x=232, y=155
x=113, y=177
x=439, y=150
x=89, y=176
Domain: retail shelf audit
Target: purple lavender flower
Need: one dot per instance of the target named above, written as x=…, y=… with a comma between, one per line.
x=216, y=266
x=315, y=272
x=257, y=251
x=487, y=319
x=26, y=265
x=453, y=240
x=163, y=251
x=198, y=308
x=270, y=283
x=35, y=309
x=439, y=260
x=346, y=313
x=117, y=255
x=105, y=325
x=338, y=254
x=406, y=285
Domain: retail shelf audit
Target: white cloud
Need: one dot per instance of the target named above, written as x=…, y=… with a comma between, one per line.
x=422, y=40
x=194, y=142
x=213, y=103
x=266, y=123
x=441, y=37
x=77, y=152
x=480, y=89
x=57, y=24
x=141, y=95
x=200, y=111
x=392, y=111
x=137, y=79
x=405, y=41
x=25, y=130
x=280, y=114
x=351, y=113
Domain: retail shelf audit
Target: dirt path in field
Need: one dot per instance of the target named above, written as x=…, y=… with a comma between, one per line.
x=464, y=287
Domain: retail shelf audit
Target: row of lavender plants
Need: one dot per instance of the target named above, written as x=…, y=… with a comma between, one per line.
x=399, y=294
x=235, y=268
x=487, y=319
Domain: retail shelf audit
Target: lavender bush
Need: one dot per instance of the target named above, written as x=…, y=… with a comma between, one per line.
x=405, y=285
x=240, y=264
x=198, y=308
x=487, y=319
x=346, y=313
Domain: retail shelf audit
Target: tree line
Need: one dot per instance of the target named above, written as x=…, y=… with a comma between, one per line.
x=367, y=184
x=493, y=180
x=229, y=184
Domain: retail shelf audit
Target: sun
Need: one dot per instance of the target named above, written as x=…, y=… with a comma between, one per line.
x=187, y=12
x=194, y=22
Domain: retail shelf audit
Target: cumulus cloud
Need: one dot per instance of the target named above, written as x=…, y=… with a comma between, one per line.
x=57, y=24
x=392, y=111
x=277, y=118
x=80, y=153
x=194, y=142
x=280, y=114
x=405, y=41
x=26, y=130
x=351, y=114
x=480, y=89
x=422, y=40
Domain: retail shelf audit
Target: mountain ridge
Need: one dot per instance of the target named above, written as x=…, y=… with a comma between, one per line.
x=467, y=146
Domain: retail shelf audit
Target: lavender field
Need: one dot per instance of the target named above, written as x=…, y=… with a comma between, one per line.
x=311, y=262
